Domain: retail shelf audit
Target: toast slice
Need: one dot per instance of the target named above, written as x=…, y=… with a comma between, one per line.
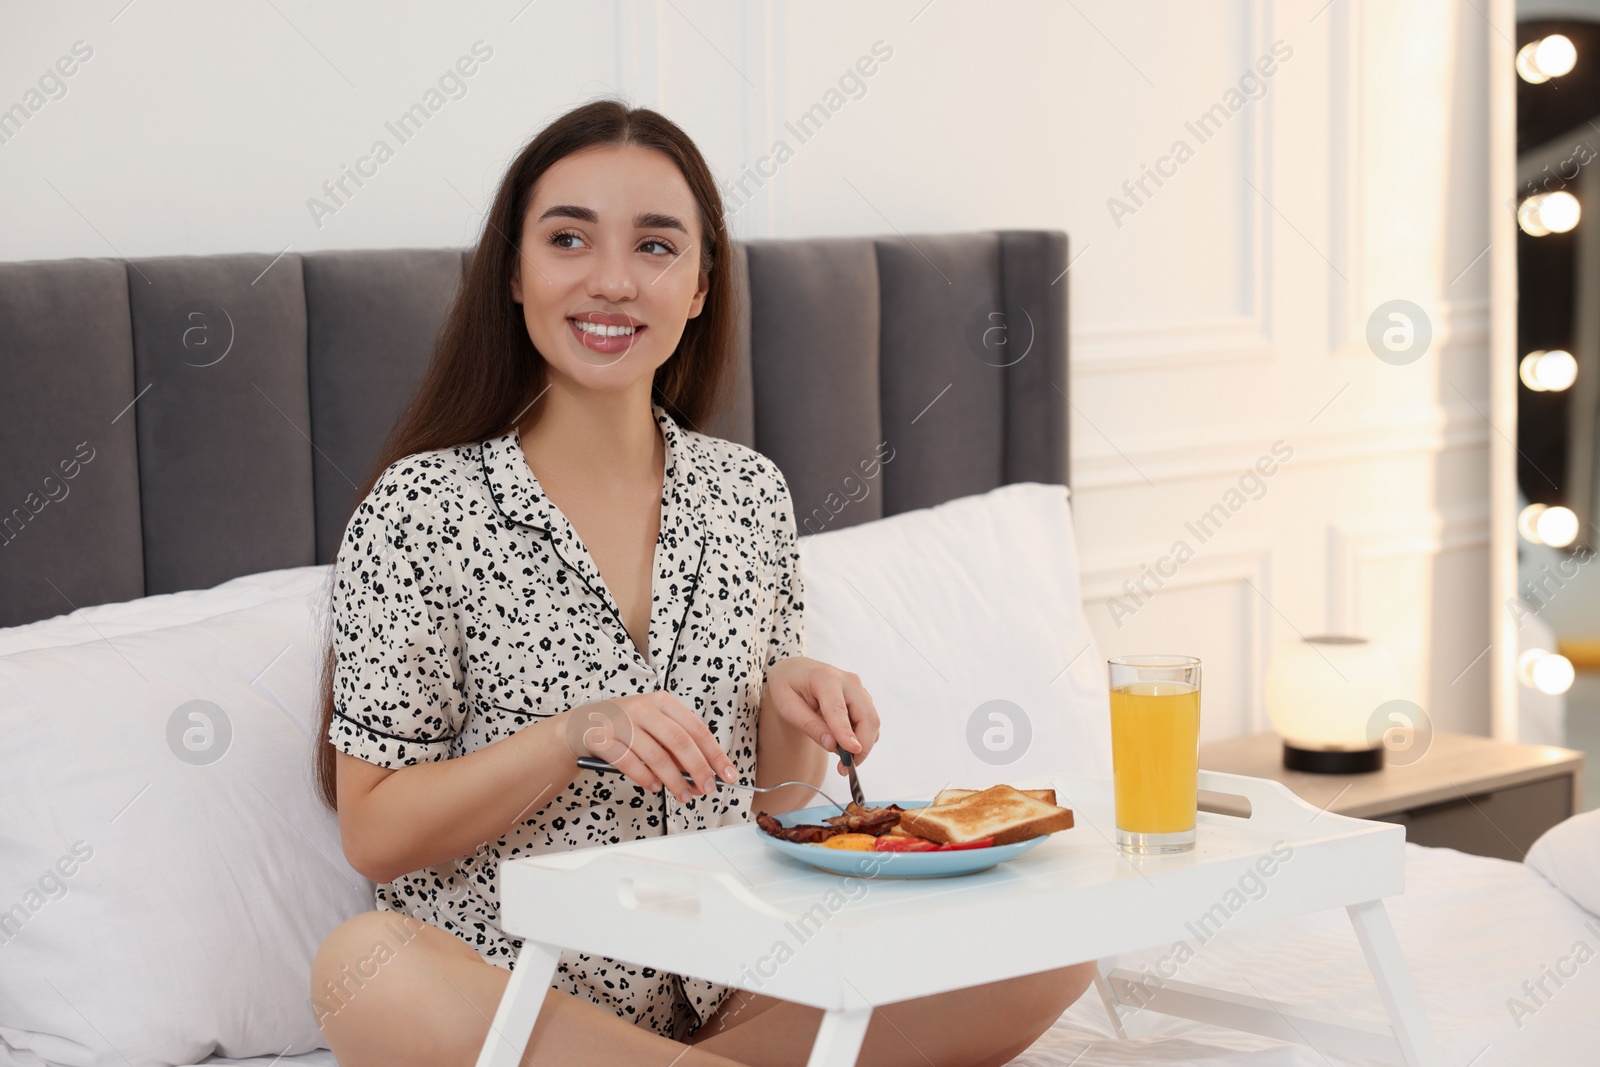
x=1003, y=812
x=949, y=796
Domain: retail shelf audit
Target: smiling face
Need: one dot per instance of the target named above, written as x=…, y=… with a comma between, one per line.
x=607, y=274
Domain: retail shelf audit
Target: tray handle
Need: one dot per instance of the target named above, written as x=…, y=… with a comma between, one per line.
x=1266, y=799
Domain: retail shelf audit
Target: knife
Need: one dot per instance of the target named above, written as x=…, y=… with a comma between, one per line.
x=855, y=785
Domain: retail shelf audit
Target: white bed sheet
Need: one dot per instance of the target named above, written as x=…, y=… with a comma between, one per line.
x=1474, y=930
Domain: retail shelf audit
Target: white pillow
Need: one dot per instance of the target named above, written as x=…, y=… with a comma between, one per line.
x=1568, y=855
x=159, y=907
x=166, y=609
x=965, y=622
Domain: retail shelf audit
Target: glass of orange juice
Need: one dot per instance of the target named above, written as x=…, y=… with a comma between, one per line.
x=1155, y=751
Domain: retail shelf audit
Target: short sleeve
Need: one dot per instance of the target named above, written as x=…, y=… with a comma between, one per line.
x=396, y=697
x=786, y=627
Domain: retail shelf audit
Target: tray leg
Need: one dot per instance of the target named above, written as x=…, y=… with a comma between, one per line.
x=839, y=1038
x=1109, y=999
x=1393, y=979
x=519, y=1006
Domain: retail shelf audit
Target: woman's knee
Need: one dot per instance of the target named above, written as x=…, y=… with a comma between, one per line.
x=980, y=1025
x=355, y=957
x=1056, y=991
x=1039, y=999
x=1037, y=1002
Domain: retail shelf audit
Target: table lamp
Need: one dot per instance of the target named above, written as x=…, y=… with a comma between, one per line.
x=1321, y=694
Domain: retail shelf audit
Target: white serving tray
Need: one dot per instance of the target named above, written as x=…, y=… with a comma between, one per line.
x=721, y=905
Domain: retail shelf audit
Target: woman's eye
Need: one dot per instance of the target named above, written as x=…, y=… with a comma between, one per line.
x=561, y=235
x=657, y=241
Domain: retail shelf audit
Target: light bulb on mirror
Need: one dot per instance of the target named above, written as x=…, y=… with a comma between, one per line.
x=1557, y=526
x=1549, y=672
x=1528, y=523
x=1548, y=57
x=1548, y=372
x=1546, y=213
x=1541, y=524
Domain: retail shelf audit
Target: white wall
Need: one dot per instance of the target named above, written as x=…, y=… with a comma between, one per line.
x=1227, y=312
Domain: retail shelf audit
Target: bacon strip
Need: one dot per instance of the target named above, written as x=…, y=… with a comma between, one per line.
x=859, y=820
x=804, y=834
x=855, y=820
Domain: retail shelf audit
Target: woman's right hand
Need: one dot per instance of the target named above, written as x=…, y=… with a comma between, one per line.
x=652, y=738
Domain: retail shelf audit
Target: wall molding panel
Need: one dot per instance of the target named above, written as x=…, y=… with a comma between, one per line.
x=1354, y=544
x=1241, y=573
x=1432, y=432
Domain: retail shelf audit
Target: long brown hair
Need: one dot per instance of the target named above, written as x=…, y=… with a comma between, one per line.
x=485, y=371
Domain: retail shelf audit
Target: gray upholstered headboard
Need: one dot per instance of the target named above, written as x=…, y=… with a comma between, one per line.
x=171, y=423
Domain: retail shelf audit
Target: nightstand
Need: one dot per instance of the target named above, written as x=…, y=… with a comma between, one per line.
x=1468, y=793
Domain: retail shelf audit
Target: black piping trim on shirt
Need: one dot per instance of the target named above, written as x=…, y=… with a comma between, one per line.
x=683, y=620
x=483, y=465
x=677, y=636
x=609, y=606
x=394, y=737
x=672, y=658
x=705, y=536
x=520, y=711
x=549, y=535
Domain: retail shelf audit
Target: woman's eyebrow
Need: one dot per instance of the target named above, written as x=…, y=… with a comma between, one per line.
x=569, y=211
x=645, y=220
x=654, y=220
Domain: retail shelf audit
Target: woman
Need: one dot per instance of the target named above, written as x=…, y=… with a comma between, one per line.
x=552, y=562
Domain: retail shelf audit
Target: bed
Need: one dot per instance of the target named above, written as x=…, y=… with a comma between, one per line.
x=216, y=414
x=1474, y=929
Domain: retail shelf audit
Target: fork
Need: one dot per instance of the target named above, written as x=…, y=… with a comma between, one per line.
x=595, y=763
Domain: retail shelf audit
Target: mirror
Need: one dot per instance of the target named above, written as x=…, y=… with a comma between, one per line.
x=1557, y=207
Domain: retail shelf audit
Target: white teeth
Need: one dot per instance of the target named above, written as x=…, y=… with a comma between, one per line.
x=604, y=331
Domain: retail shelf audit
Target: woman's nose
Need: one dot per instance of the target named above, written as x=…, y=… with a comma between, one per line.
x=612, y=275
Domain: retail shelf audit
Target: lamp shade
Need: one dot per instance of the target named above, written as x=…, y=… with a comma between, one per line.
x=1322, y=692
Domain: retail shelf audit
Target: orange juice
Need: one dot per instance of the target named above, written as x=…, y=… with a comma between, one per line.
x=1155, y=755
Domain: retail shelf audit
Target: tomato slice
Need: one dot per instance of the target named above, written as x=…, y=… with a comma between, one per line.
x=982, y=842
x=903, y=843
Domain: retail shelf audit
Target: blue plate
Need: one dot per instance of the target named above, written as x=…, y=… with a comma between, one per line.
x=891, y=864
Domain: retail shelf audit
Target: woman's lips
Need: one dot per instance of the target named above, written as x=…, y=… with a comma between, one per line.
x=609, y=345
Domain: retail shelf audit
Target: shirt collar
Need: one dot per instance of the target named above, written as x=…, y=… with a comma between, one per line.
x=679, y=545
x=520, y=497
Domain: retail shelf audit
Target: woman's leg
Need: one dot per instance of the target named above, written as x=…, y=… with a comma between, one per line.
x=392, y=991
x=983, y=1026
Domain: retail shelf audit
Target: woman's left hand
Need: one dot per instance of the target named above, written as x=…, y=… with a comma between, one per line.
x=825, y=703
